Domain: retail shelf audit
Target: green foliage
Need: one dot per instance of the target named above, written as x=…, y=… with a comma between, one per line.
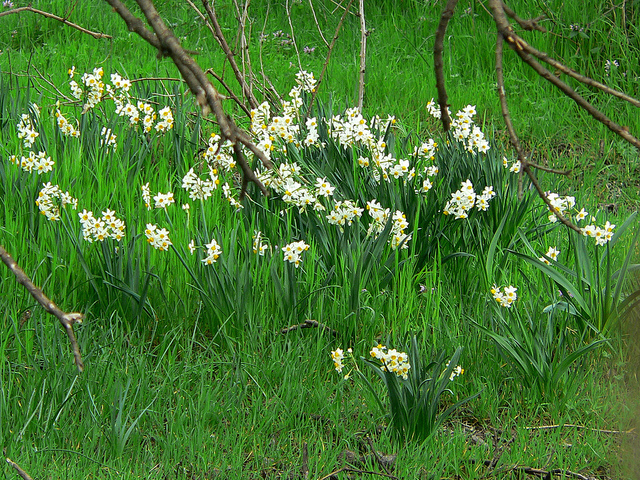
x=591, y=290
x=415, y=405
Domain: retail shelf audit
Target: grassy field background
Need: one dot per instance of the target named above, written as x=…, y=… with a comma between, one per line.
x=187, y=372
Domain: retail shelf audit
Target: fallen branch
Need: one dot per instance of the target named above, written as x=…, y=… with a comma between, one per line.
x=355, y=470
x=67, y=320
x=580, y=427
x=309, y=324
x=20, y=471
x=55, y=17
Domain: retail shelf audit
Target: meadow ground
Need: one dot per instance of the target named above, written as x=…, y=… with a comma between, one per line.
x=486, y=340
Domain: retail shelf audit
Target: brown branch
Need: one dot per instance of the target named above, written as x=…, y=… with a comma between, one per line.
x=438, y=63
x=518, y=45
x=577, y=76
x=97, y=35
x=206, y=94
x=67, y=320
x=363, y=55
x=231, y=94
x=305, y=461
x=531, y=24
x=134, y=24
x=20, y=471
x=214, y=26
x=326, y=62
x=549, y=170
x=293, y=34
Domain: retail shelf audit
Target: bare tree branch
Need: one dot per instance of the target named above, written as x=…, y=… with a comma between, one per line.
x=67, y=320
x=438, y=63
x=326, y=62
x=518, y=45
x=315, y=19
x=219, y=36
x=206, y=94
x=524, y=163
x=363, y=55
x=97, y=35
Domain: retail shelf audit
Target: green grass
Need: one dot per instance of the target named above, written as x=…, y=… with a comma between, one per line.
x=187, y=374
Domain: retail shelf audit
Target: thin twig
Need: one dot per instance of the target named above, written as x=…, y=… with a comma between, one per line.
x=363, y=54
x=232, y=95
x=377, y=456
x=20, y=471
x=519, y=46
x=206, y=94
x=222, y=41
x=97, y=35
x=580, y=427
x=305, y=461
x=67, y=320
x=315, y=19
x=438, y=63
x=531, y=24
x=293, y=34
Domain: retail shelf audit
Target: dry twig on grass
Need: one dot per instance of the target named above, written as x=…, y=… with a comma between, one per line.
x=19, y=470
x=67, y=320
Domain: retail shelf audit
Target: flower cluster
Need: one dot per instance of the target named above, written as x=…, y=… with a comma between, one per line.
x=166, y=120
x=513, y=166
x=200, y=189
x=108, y=139
x=562, y=205
x=506, y=298
x=293, y=252
x=465, y=199
x=94, y=84
x=26, y=131
x=99, y=229
x=66, y=127
x=136, y=112
x=602, y=235
x=344, y=213
x=213, y=252
x=398, y=235
x=288, y=183
x=456, y=372
x=163, y=200
x=337, y=356
x=219, y=155
x=259, y=247
x=552, y=253
x=392, y=360
x=157, y=237
x=464, y=129
x=51, y=198
x=39, y=163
